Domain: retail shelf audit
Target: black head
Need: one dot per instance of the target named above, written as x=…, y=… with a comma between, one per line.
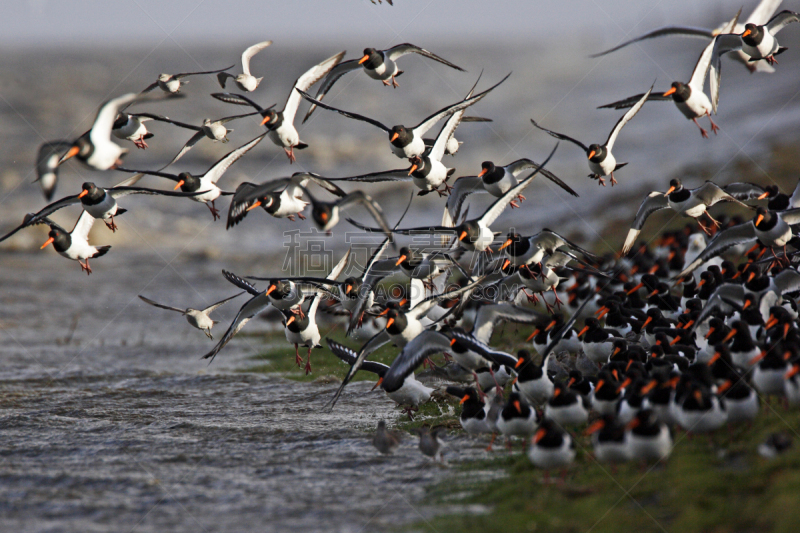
x=596, y=153
x=351, y=286
x=269, y=118
x=60, y=239
x=322, y=213
x=91, y=194
x=295, y=323
x=371, y=59
x=752, y=34
x=487, y=167
x=400, y=136
x=468, y=231
x=419, y=167
x=279, y=288
x=187, y=182
x=674, y=185
x=679, y=91
x=764, y=219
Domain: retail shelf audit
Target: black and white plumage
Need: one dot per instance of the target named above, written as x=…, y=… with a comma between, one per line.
x=687, y=202
x=281, y=198
x=601, y=161
x=552, y=447
x=171, y=83
x=75, y=244
x=47, y=160
x=760, y=15
x=280, y=124
x=689, y=97
x=755, y=42
x=408, y=142
x=474, y=234
x=411, y=392
x=95, y=148
x=210, y=129
x=412, y=355
x=99, y=202
x=207, y=181
x=772, y=229
x=198, y=318
x=377, y=64
x=326, y=214
x=529, y=250
x=496, y=180
x=245, y=81
x=132, y=128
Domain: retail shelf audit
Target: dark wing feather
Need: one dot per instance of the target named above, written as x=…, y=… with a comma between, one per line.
x=413, y=354
x=562, y=137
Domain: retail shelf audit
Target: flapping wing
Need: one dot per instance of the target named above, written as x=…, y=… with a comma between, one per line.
x=237, y=99
x=794, y=201
x=421, y=128
x=208, y=310
x=333, y=76
x=219, y=168
x=304, y=82
x=628, y=102
x=763, y=11
x=413, y=354
x=119, y=192
x=683, y=31
x=781, y=20
x=704, y=61
x=156, y=304
x=489, y=315
x=361, y=198
x=348, y=114
x=400, y=50
x=463, y=187
x=743, y=191
x=484, y=350
x=185, y=74
x=249, y=53
x=722, y=45
x=790, y=216
x=562, y=136
x=349, y=356
x=727, y=292
x=194, y=139
x=104, y=121
x=655, y=201
x=787, y=280
x=397, y=174
x=246, y=195
x=251, y=308
x=377, y=340
x=83, y=226
x=500, y=204
x=240, y=282
x=334, y=273
x=370, y=279
x=739, y=234
x=612, y=137
x=325, y=183
x=710, y=193
x=161, y=118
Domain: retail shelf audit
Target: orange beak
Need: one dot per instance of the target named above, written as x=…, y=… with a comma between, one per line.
x=746, y=304
x=393, y=137
x=623, y=385
x=453, y=341
x=701, y=283
x=795, y=369
x=483, y=171
x=464, y=399
x=271, y=288
x=550, y=325
x=363, y=59
x=647, y=388
x=710, y=331
x=674, y=341
x=603, y=313
x=532, y=335
x=72, y=153
x=649, y=319
x=670, y=91
x=698, y=395
x=595, y=427
x=669, y=191
x=688, y=324
x=400, y=260
x=347, y=288
x=757, y=358
x=599, y=385
x=378, y=384
x=265, y=119
x=725, y=386
x=763, y=196
x=539, y=435
x=570, y=382
x=324, y=217
x=178, y=185
x=83, y=193
x=505, y=245
x=256, y=204
x=556, y=393
x=730, y=335
x=759, y=219
x=636, y=288
x=714, y=358
x=505, y=264
x=600, y=310
x=517, y=406
x=591, y=154
x=655, y=291
x=413, y=168
x=48, y=241
x=290, y=320
x=746, y=33
x=616, y=351
x=520, y=362
x=389, y=323
x=633, y=424
x=462, y=236
x=584, y=330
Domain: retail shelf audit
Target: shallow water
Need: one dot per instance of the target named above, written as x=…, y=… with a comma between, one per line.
x=121, y=426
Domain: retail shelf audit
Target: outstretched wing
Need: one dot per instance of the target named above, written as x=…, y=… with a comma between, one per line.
x=249, y=53
x=348, y=114
x=251, y=308
x=655, y=201
x=562, y=136
x=211, y=307
x=185, y=74
x=237, y=99
x=219, y=168
x=612, y=137
x=167, y=307
x=304, y=82
x=396, y=52
x=781, y=20
x=683, y=31
x=628, y=102
x=240, y=282
x=704, y=61
x=739, y=234
x=333, y=76
x=424, y=345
